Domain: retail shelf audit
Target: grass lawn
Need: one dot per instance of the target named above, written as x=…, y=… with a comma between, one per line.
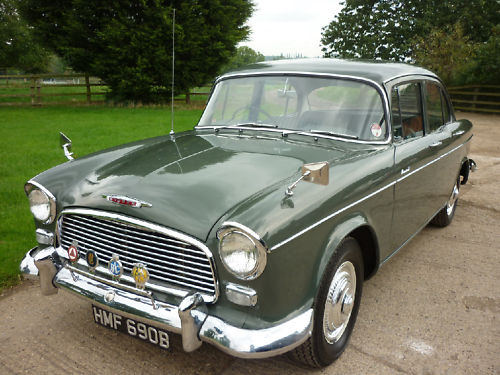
x=29, y=140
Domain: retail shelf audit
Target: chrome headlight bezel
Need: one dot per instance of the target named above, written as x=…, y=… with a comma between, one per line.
x=32, y=186
x=254, y=242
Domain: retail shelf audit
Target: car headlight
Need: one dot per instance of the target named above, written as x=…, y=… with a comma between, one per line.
x=42, y=202
x=242, y=251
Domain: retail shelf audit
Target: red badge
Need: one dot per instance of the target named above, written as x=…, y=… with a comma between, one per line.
x=73, y=253
x=376, y=130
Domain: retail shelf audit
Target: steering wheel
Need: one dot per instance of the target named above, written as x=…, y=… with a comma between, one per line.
x=251, y=108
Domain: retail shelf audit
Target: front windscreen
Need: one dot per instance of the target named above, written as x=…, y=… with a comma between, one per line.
x=327, y=106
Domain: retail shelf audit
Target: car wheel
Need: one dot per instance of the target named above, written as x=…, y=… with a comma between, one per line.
x=445, y=216
x=336, y=307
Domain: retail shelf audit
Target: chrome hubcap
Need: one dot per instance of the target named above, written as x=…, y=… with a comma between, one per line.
x=339, y=302
x=452, y=200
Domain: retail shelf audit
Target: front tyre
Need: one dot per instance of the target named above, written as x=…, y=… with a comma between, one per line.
x=336, y=307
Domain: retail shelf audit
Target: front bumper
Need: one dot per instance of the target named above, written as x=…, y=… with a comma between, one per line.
x=190, y=319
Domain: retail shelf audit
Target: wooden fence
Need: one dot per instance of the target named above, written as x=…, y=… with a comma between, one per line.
x=49, y=88
x=41, y=89
x=476, y=98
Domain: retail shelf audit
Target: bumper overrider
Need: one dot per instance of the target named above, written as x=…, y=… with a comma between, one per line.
x=190, y=319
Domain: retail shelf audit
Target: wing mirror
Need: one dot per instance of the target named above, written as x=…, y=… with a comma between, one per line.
x=317, y=173
x=66, y=146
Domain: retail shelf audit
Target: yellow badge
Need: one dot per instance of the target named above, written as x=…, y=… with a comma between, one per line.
x=140, y=275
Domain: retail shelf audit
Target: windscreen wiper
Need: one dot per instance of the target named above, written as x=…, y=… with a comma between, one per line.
x=333, y=134
x=256, y=125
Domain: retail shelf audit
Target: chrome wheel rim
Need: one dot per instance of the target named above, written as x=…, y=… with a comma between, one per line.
x=339, y=302
x=453, y=200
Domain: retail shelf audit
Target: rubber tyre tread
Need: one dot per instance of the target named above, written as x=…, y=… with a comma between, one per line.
x=309, y=352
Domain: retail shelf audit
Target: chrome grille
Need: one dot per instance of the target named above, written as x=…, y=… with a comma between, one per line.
x=170, y=261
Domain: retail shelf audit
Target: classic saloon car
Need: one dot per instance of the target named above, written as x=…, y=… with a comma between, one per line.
x=255, y=231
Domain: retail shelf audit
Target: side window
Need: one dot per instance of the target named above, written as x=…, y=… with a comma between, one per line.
x=407, y=111
x=446, y=108
x=434, y=107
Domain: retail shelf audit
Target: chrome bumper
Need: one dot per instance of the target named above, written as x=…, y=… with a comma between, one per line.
x=190, y=319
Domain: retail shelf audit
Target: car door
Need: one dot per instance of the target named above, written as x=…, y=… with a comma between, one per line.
x=439, y=128
x=415, y=152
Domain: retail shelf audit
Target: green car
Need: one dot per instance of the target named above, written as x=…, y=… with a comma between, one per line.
x=255, y=231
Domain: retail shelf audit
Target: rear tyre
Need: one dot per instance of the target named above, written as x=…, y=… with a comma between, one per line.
x=445, y=216
x=336, y=307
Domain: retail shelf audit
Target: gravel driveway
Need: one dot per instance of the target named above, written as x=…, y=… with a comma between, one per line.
x=433, y=309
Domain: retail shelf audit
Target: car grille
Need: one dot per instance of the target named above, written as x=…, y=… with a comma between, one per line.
x=170, y=261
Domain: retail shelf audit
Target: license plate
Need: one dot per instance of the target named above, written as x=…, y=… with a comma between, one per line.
x=131, y=327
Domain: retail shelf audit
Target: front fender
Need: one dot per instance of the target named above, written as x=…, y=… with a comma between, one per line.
x=341, y=230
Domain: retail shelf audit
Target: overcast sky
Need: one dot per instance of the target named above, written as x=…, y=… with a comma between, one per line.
x=290, y=26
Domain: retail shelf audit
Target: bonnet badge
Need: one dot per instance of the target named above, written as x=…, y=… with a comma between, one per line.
x=126, y=201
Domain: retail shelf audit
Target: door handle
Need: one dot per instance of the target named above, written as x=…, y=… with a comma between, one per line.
x=436, y=144
x=459, y=132
x=403, y=171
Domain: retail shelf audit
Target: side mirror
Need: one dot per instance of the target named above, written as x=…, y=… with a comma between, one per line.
x=66, y=146
x=317, y=173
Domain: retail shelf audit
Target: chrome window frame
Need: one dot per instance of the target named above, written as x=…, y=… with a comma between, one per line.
x=380, y=89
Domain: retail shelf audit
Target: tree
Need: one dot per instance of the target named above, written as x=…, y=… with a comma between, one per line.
x=129, y=44
x=18, y=48
x=485, y=67
x=447, y=53
x=244, y=56
x=384, y=29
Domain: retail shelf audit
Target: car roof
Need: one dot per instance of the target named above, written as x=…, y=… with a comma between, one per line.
x=379, y=72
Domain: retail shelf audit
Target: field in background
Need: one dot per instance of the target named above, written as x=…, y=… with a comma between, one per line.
x=29, y=144
x=69, y=89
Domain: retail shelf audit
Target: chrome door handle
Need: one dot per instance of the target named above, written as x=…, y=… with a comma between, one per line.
x=436, y=144
x=403, y=171
x=460, y=132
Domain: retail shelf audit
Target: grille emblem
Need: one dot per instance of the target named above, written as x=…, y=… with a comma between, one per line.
x=73, y=252
x=140, y=275
x=126, y=201
x=115, y=267
x=92, y=260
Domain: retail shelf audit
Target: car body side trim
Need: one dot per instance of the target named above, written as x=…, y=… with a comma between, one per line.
x=280, y=244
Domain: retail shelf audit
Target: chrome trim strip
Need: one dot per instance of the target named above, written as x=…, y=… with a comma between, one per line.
x=278, y=245
x=423, y=75
x=116, y=284
x=330, y=216
x=432, y=162
x=125, y=280
x=380, y=88
x=142, y=224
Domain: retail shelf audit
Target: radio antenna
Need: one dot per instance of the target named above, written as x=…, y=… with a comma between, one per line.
x=173, y=72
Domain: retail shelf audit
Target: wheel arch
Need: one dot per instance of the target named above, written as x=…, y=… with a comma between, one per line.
x=358, y=228
x=464, y=171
